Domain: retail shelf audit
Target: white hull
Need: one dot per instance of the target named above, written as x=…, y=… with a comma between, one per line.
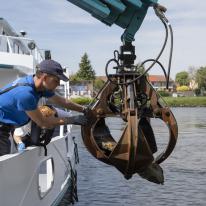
x=19, y=174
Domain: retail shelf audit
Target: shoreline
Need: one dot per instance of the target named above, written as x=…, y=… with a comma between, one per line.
x=170, y=101
x=185, y=101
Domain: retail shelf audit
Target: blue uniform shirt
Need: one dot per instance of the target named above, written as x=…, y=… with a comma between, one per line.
x=15, y=102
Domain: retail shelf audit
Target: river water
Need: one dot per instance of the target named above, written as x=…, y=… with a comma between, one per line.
x=184, y=171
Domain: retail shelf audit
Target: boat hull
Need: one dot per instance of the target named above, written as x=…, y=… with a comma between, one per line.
x=21, y=174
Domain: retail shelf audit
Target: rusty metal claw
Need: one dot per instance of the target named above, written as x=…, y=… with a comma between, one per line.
x=133, y=153
x=166, y=116
x=129, y=96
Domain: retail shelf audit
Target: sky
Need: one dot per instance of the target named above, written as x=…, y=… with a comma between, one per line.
x=69, y=32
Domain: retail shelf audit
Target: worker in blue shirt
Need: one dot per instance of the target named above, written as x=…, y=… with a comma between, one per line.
x=19, y=101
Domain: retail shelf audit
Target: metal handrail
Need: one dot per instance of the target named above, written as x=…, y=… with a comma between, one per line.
x=21, y=46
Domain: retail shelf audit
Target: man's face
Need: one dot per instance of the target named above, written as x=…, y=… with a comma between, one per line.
x=51, y=82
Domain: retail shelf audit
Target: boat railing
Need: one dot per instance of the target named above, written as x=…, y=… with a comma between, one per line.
x=21, y=45
x=63, y=90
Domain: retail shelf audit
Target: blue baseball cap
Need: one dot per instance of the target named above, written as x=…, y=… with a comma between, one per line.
x=50, y=66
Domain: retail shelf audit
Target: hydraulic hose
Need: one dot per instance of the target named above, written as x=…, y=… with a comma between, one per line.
x=167, y=25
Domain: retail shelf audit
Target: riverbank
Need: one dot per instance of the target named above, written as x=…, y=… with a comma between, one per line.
x=171, y=101
x=185, y=101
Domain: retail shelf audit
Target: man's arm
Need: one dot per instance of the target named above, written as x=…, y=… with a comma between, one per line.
x=65, y=103
x=51, y=122
x=47, y=122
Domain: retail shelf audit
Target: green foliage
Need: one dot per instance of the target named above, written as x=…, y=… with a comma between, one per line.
x=85, y=71
x=201, y=77
x=192, y=72
x=164, y=93
x=186, y=101
x=98, y=84
x=182, y=78
x=82, y=100
x=197, y=91
x=74, y=78
x=183, y=88
x=140, y=69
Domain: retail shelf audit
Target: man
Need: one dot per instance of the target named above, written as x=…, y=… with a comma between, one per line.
x=24, y=136
x=18, y=102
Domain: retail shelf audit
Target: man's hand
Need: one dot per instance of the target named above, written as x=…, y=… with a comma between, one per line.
x=77, y=120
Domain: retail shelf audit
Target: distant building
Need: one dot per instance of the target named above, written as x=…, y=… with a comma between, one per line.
x=159, y=82
x=81, y=89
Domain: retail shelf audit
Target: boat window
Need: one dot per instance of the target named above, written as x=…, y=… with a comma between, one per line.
x=45, y=177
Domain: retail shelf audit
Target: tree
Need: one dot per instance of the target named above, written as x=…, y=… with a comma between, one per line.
x=140, y=69
x=183, y=88
x=192, y=72
x=201, y=77
x=182, y=78
x=98, y=84
x=73, y=78
x=86, y=71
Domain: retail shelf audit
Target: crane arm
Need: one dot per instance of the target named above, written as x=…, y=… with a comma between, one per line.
x=127, y=14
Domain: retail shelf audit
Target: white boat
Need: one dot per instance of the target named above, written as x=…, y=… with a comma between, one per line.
x=31, y=178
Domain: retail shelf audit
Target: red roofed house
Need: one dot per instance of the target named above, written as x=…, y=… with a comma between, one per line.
x=159, y=82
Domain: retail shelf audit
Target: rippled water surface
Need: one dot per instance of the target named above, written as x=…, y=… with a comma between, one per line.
x=184, y=171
